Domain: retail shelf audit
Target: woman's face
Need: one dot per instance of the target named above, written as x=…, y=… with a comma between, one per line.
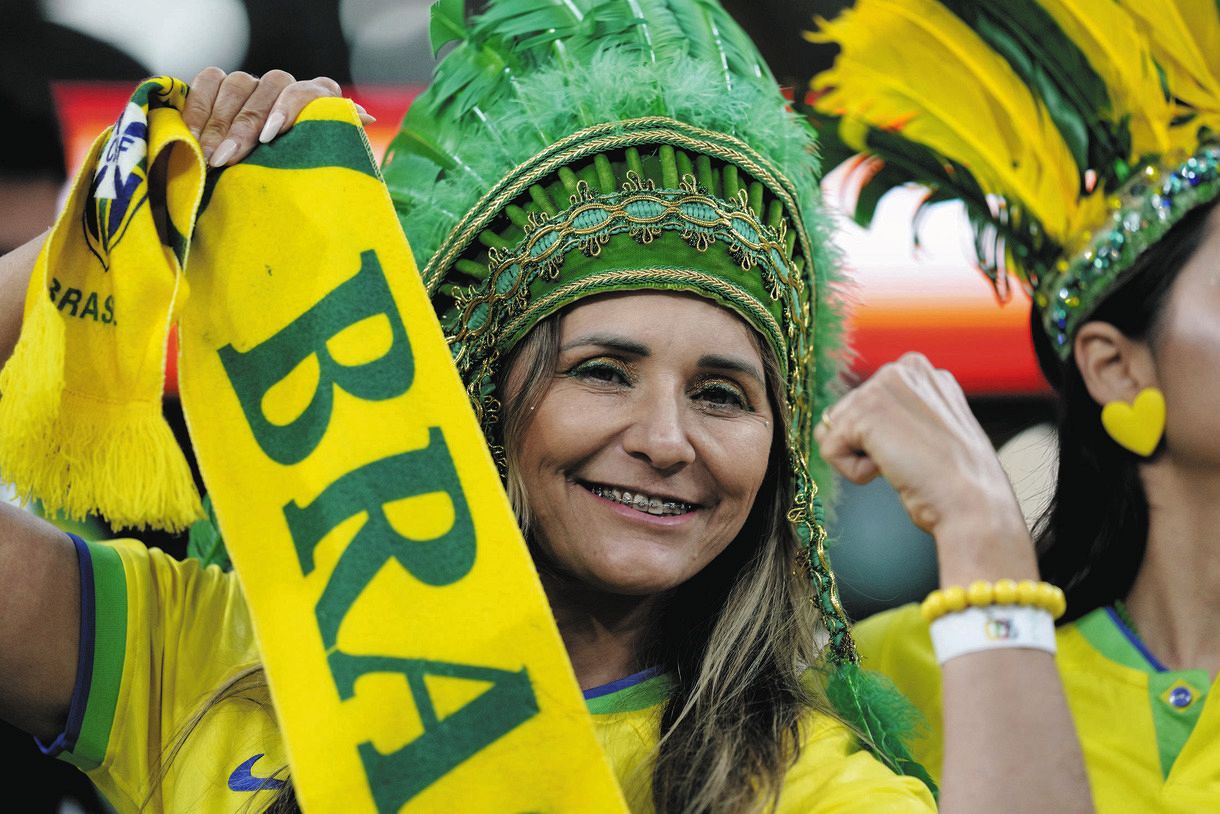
x=644, y=457
x=1186, y=349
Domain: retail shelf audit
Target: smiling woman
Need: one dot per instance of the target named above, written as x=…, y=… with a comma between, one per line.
x=640, y=432
x=644, y=456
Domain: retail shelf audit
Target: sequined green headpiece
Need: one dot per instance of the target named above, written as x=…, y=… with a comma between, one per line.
x=1076, y=132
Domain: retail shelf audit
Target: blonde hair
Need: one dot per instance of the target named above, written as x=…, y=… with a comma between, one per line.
x=737, y=639
x=248, y=685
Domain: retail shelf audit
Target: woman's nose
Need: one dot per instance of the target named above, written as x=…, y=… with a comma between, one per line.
x=659, y=433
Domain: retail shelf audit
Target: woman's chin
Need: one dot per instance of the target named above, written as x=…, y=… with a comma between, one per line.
x=635, y=576
x=627, y=575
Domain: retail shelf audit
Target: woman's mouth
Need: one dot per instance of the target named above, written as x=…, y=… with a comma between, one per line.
x=642, y=502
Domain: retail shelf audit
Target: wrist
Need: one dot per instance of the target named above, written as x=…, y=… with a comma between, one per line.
x=989, y=546
x=996, y=627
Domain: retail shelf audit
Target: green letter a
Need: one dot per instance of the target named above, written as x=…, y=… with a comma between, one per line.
x=397, y=777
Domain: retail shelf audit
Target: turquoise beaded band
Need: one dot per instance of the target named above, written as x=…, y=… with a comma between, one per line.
x=1141, y=212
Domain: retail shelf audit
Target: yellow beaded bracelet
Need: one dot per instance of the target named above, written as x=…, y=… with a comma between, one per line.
x=980, y=594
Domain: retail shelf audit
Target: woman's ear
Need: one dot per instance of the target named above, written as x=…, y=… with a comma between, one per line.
x=1114, y=367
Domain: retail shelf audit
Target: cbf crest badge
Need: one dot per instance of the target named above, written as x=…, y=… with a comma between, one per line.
x=118, y=189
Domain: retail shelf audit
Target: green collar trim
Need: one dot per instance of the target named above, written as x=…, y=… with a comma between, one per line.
x=1175, y=697
x=633, y=698
x=1105, y=630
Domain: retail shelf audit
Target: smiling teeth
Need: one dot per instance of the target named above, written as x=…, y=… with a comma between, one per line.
x=642, y=502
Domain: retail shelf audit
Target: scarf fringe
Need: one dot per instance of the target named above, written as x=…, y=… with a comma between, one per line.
x=79, y=455
x=30, y=388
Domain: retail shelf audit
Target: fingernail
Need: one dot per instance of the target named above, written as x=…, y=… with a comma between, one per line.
x=364, y=114
x=223, y=153
x=272, y=128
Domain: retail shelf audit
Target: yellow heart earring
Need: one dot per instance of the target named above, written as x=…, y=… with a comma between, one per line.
x=1137, y=426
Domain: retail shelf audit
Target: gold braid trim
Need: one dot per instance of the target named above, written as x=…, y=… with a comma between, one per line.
x=604, y=138
x=703, y=217
x=643, y=212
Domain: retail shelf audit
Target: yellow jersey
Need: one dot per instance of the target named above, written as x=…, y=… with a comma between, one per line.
x=164, y=640
x=1151, y=736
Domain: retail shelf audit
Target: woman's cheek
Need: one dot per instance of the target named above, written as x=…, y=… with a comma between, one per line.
x=1189, y=369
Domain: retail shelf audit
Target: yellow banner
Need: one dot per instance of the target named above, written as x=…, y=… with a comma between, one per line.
x=412, y=656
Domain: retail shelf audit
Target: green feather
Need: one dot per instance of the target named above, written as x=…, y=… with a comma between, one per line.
x=571, y=28
x=714, y=34
x=447, y=23
x=478, y=76
x=702, y=26
x=884, y=720
x=487, y=108
x=657, y=30
x=1056, y=70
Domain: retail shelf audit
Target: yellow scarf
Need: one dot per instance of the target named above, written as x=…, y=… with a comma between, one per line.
x=411, y=654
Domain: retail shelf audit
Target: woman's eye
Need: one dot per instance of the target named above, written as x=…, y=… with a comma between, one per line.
x=720, y=394
x=600, y=370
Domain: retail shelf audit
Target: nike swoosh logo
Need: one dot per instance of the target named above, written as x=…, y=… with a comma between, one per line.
x=243, y=780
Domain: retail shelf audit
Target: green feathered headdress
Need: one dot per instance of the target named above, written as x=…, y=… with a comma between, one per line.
x=568, y=148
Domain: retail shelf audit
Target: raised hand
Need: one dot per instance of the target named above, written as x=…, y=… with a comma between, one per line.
x=231, y=113
x=911, y=424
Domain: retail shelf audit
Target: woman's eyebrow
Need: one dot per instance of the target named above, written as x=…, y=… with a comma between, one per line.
x=732, y=363
x=618, y=343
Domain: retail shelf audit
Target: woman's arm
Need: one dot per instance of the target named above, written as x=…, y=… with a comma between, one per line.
x=39, y=575
x=1010, y=744
x=15, y=270
x=39, y=622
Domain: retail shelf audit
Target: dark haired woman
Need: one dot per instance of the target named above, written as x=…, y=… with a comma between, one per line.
x=1120, y=260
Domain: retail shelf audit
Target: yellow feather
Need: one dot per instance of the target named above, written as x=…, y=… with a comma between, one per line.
x=1185, y=40
x=1119, y=52
x=952, y=93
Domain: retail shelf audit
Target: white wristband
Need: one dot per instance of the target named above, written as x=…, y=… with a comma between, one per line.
x=992, y=627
